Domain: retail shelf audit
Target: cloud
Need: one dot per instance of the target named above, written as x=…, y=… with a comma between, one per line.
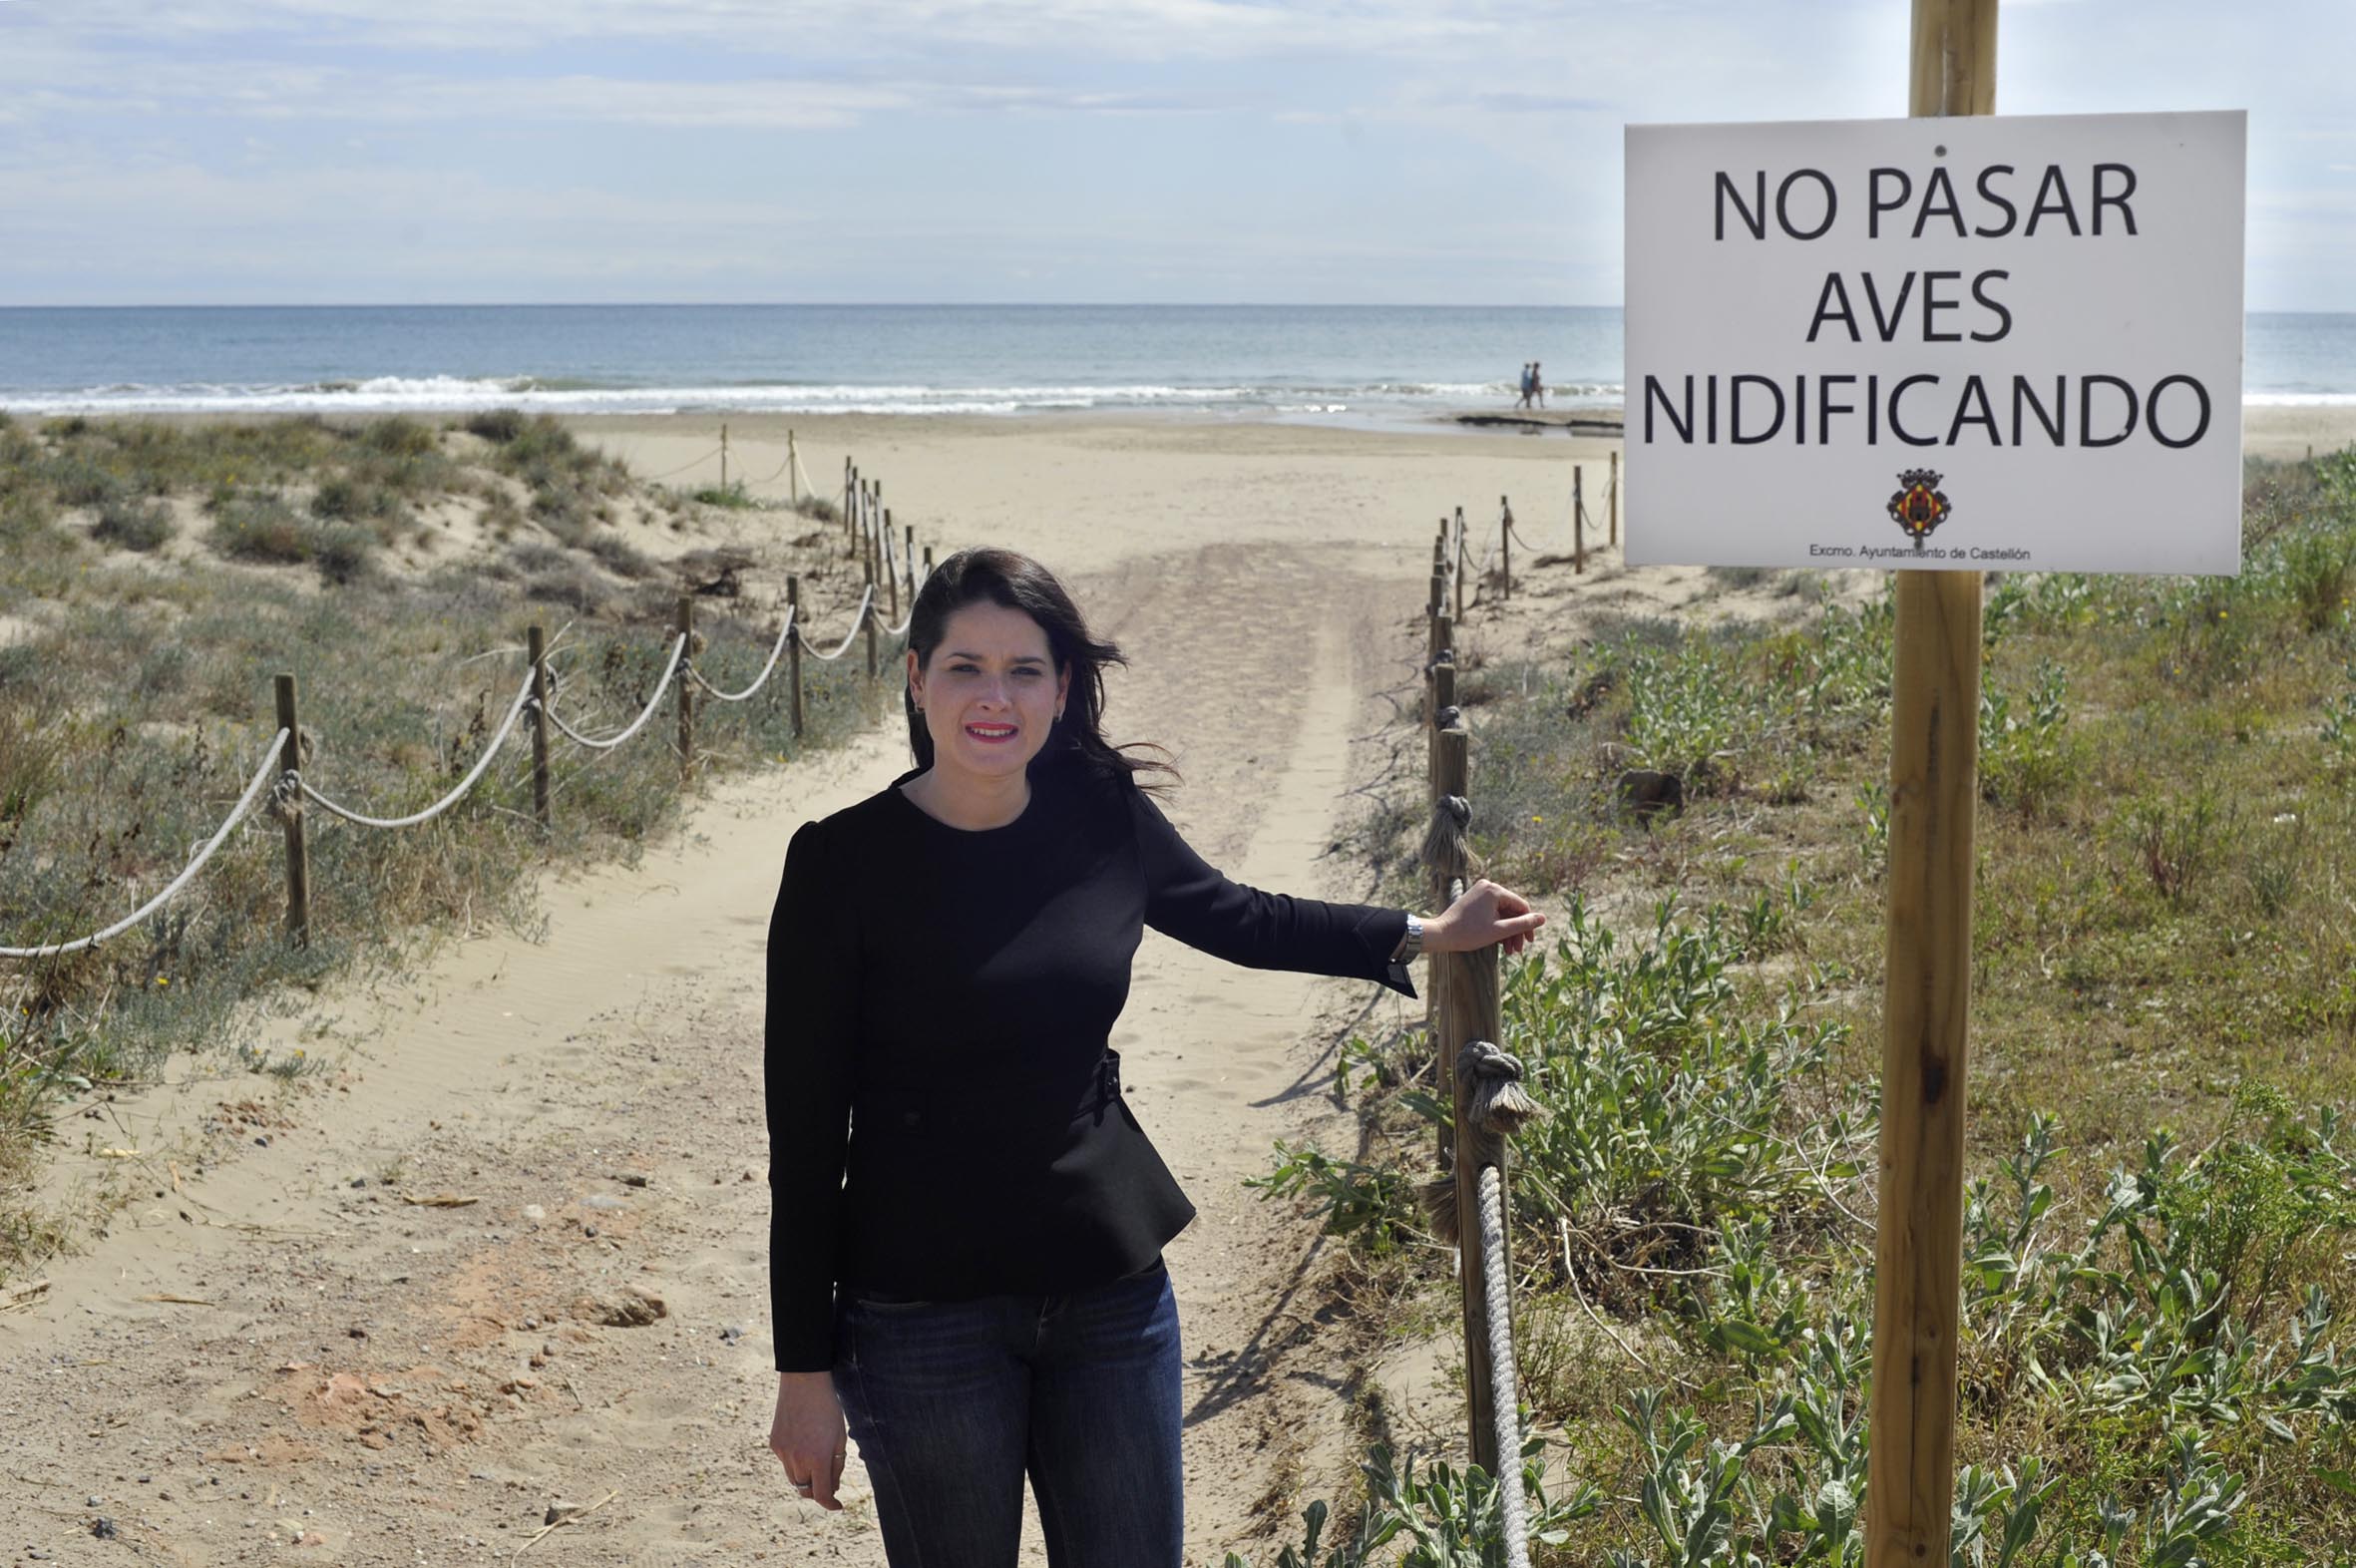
x=1131, y=29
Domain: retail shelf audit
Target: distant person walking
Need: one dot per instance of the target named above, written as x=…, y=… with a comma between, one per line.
x=1537, y=384
x=1529, y=372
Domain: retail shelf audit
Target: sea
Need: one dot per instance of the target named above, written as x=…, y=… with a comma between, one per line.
x=1307, y=362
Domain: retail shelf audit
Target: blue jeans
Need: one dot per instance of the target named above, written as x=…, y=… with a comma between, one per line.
x=953, y=1402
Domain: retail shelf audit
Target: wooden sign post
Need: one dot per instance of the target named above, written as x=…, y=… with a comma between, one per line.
x=1926, y=1006
x=1855, y=447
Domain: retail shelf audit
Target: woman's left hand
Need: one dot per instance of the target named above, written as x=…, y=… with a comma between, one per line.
x=1485, y=916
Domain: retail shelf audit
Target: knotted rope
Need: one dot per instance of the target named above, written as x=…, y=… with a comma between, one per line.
x=1448, y=841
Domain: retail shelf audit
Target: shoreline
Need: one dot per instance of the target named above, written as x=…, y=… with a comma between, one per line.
x=2280, y=431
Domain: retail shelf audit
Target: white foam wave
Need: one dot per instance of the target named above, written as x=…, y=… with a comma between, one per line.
x=461, y=394
x=2298, y=400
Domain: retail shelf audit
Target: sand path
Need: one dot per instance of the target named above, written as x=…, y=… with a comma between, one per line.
x=389, y=1382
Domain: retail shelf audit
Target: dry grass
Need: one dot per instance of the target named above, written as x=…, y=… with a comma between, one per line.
x=134, y=710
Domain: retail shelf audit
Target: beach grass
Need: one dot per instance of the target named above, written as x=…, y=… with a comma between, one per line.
x=136, y=701
x=2160, y=1222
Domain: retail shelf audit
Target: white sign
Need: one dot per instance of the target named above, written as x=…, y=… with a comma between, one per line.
x=1976, y=343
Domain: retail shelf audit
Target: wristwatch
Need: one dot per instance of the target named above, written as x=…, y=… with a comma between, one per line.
x=1411, y=942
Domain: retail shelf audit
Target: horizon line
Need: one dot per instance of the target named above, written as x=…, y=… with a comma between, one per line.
x=809, y=304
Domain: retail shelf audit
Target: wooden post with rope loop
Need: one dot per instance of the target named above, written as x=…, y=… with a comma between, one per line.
x=536, y=649
x=867, y=616
x=793, y=647
x=1505, y=547
x=1934, y=741
x=1470, y=1012
x=1578, y=520
x=686, y=631
x=1615, y=500
x=298, y=855
x=1455, y=559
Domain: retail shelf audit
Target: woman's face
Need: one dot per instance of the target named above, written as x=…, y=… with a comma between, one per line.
x=990, y=693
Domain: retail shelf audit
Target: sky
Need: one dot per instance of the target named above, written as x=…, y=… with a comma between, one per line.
x=1378, y=151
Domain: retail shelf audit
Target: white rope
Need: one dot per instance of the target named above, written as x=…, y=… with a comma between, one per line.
x=678, y=647
x=858, y=620
x=261, y=776
x=683, y=468
x=803, y=474
x=1503, y=1382
x=783, y=633
x=906, y=620
x=481, y=763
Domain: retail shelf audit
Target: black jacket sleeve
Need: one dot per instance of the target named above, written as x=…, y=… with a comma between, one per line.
x=807, y=1068
x=1186, y=899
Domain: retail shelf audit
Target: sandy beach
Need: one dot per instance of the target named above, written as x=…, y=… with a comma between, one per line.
x=276, y=1350
x=391, y=1382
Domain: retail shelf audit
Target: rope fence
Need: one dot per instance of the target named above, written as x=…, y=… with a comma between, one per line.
x=1467, y=1202
x=237, y=814
x=280, y=776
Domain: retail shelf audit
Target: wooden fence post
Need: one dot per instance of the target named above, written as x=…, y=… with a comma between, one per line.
x=1455, y=559
x=536, y=645
x=867, y=618
x=298, y=855
x=1926, y=1008
x=876, y=516
x=685, y=628
x=723, y=457
x=1506, y=544
x=850, y=506
x=1439, y=712
x=907, y=561
x=891, y=576
x=793, y=472
x=1615, y=500
x=1439, y=652
x=1469, y=1012
x=1578, y=519
x=793, y=647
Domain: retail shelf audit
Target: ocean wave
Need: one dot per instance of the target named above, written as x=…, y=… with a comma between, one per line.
x=2298, y=400
x=461, y=394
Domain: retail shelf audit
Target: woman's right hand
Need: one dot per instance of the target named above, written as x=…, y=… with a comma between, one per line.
x=808, y=1435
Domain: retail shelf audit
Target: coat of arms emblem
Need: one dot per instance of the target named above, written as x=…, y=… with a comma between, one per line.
x=1920, y=505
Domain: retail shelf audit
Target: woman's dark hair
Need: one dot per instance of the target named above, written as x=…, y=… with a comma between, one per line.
x=1003, y=576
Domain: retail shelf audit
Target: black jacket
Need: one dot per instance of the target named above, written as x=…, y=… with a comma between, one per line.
x=945, y=1120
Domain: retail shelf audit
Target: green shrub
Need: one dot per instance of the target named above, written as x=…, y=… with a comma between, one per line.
x=620, y=557
x=343, y=498
x=2027, y=759
x=78, y=480
x=345, y=554
x=399, y=436
x=499, y=426
x=733, y=496
x=2176, y=839
x=263, y=527
x=130, y=525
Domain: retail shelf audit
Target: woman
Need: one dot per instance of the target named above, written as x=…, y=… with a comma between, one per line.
x=967, y=1222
